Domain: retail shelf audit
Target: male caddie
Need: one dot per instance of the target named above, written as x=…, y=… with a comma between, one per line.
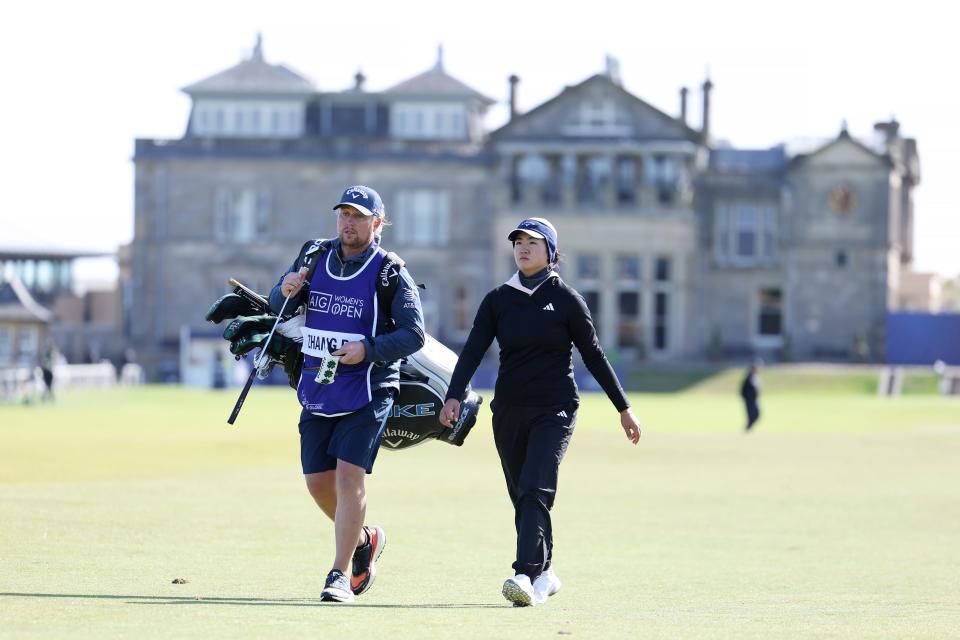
x=350, y=374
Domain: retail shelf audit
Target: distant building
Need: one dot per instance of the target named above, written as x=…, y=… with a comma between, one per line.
x=85, y=327
x=921, y=292
x=682, y=248
x=24, y=325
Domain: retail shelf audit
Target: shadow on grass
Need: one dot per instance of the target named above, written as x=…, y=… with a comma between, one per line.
x=254, y=602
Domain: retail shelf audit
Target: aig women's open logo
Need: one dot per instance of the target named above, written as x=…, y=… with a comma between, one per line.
x=320, y=301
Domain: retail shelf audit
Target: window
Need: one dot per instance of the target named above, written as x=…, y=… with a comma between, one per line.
x=745, y=234
x=241, y=117
x=6, y=345
x=588, y=266
x=660, y=320
x=65, y=275
x=770, y=312
x=422, y=217
x=28, y=343
x=535, y=178
x=532, y=168
x=626, y=180
x=594, y=179
x=596, y=113
x=662, y=271
x=428, y=121
x=241, y=214
x=45, y=275
x=596, y=116
x=628, y=267
x=628, y=310
x=662, y=174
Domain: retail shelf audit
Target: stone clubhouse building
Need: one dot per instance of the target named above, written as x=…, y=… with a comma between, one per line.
x=683, y=248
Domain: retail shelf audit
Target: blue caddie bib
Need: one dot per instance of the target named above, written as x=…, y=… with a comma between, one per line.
x=339, y=310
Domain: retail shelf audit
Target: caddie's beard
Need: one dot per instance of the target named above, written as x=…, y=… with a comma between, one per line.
x=355, y=241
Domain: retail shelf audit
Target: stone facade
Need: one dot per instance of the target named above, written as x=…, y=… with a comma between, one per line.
x=683, y=250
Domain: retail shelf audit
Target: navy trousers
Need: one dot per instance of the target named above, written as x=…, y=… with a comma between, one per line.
x=753, y=414
x=531, y=442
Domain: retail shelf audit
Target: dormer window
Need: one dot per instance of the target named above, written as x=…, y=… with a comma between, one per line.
x=428, y=121
x=249, y=119
x=597, y=114
x=596, y=117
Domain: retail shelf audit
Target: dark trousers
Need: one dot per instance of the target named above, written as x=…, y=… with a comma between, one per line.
x=531, y=442
x=753, y=413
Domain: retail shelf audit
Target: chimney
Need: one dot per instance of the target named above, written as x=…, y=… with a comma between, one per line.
x=514, y=81
x=683, y=104
x=258, y=49
x=707, y=87
x=358, y=80
x=612, y=70
x=890, y=130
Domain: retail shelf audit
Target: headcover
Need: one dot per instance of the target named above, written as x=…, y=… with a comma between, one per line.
x=249, y=332
x=230, y=306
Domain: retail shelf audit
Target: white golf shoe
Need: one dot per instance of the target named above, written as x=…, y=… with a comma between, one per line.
x=518, y=590
x=546, y=584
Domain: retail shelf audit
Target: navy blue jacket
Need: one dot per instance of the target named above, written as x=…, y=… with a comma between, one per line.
x=386, y=349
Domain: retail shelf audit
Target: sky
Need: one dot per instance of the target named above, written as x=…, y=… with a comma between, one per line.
x=85, y=79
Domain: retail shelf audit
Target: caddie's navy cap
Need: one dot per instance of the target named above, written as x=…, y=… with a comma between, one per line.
x=538, y=228
x=364, y=199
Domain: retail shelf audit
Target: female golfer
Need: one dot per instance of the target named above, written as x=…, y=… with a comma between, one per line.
x=536, y=318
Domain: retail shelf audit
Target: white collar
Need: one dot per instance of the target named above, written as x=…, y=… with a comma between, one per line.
x=514, y=282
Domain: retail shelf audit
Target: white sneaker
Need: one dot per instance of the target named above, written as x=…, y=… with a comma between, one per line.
x=546, y=584
x=518, y=590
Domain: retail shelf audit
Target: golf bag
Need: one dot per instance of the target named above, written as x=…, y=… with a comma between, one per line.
x=424, y=379
x=424, y=375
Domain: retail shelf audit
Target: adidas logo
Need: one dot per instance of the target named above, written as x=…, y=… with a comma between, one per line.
x=562, y=414
x=549, y=307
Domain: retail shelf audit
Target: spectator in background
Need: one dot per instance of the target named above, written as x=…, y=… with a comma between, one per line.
x=48, y=358
x=750, y=391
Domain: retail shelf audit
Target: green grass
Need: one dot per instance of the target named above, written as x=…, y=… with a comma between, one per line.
x=781, y=378
x=837, y=518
